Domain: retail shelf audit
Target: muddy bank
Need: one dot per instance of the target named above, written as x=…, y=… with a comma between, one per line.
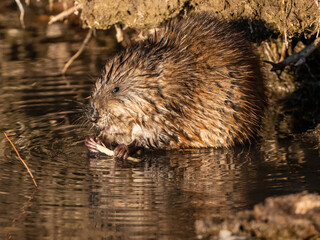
x=292, y=17
x=295, y=216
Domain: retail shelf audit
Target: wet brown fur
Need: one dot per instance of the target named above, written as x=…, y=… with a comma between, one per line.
x=196, y=83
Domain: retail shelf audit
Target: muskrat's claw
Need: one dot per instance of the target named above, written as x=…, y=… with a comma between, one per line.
x=91, y=144
x=121, y=151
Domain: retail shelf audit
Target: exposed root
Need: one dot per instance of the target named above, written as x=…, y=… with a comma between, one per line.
x=75, y=56
x=64, y=14
x=122, y=36
x=298, y=58
x=119, y=33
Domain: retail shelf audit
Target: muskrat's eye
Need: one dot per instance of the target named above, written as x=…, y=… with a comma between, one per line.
x=116, y=89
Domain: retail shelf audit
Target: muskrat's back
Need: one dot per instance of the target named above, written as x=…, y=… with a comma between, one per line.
x=196, y=83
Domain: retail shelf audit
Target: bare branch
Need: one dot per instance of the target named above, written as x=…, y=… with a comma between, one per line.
x=75, y=56
x=298, y=58
x=64, y=14
x=21, y=13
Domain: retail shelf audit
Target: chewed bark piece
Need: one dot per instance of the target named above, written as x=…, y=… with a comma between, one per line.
x=100, y=148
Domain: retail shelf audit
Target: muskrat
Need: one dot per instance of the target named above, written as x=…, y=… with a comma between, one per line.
x=194, y=84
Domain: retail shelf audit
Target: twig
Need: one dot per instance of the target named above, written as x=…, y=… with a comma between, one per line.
x=298, y=58
x=64, y=14
x=84, y=43
x=24, y=163
x=21, y=13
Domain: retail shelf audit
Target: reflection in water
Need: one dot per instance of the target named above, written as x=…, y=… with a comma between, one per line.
x=87, y=197
x=167, y=192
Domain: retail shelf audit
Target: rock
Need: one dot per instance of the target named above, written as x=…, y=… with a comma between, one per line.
x=294, y=216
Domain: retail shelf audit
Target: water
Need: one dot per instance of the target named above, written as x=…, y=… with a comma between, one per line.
x=87, y=197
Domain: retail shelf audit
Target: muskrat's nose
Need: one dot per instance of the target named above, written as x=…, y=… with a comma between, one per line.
x=93, y=114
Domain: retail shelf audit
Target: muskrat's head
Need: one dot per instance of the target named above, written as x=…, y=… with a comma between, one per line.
x=123, y=95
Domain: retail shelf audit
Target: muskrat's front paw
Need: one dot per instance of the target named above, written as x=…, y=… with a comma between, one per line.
x=91, y=144
x=121, y=151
